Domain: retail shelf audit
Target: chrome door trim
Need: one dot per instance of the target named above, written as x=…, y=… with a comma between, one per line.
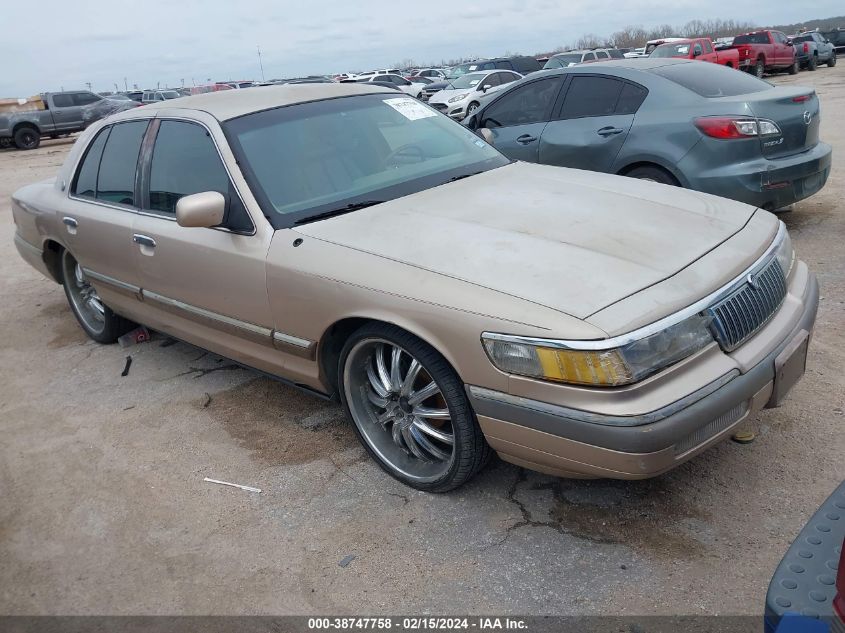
x=257, y=333
x=294, y=345
x=115, y=284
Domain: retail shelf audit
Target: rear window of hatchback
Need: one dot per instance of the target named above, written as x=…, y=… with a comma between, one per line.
x=712, y=80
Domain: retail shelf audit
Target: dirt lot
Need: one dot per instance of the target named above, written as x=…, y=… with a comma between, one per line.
x=104, y=508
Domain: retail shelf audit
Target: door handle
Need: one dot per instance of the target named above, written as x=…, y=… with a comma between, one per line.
x=144, y=240
x=71, y=224
x=609, y=131
x=525, y=139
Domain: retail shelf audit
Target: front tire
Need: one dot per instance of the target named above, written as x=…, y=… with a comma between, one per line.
x=409, y=409
x=793, y=70
x=27, y=138
x=832, y=61
x=94, y=316
x=472, y=108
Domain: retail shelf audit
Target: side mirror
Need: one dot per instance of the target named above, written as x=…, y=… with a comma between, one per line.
x=485, y=87
x=486, y=134
x=696, y=53
x=204, y=209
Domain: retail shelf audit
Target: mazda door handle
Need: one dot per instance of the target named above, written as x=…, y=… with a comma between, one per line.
x=144, y=240
x=525, y=139
x=609, y=131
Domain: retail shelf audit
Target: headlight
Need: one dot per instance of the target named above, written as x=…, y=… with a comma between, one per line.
x=600, y=367
x=785, y=253
x=458, y=98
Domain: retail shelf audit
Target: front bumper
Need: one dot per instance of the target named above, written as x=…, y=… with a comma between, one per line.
x=454, y=111
x=769, y=183
x=543, y=437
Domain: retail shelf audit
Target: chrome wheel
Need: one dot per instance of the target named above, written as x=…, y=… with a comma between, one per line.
x=472, y=108
x=399, y=410
x=86, y=302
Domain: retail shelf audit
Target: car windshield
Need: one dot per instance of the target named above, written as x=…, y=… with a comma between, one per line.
x=671, y=50
x=562, y=61
x=468, y=81
x=328, y=156
x=711, y=80
x=463, y=69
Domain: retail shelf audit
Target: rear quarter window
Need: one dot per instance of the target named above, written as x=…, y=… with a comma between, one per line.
x=711, y=80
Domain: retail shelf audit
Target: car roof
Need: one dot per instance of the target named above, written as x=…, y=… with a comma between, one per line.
x=228, y=104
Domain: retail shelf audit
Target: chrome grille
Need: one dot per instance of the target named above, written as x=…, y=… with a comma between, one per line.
x=748, y=308
x=711, y=429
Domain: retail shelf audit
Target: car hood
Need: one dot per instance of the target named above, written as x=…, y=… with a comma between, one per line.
x=444, y=95
x=571, y=240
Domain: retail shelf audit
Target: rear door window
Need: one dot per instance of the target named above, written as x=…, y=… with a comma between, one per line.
x=116, y=178
x=84, y=98
x=85, y=184
x=591, y=96
x=630, y=99
x=185, y=161
x=712, y=80
x=63, y=101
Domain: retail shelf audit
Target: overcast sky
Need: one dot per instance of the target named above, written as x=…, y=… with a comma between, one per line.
x=67, y=44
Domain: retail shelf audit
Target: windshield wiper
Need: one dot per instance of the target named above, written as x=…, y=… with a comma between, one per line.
x=462, y=176
x=352, y=206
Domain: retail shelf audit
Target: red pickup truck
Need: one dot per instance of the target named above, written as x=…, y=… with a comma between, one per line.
x=698, y=48
x=765, y=51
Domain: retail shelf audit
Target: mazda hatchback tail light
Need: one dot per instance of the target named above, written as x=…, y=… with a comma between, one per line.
x=727, y=127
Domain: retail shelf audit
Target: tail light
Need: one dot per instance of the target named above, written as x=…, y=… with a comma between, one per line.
x=839, y=600
x=801, y=99
x=806, y=47
x=726, y=127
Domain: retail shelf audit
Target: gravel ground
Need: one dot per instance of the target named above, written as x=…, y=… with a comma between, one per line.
x=104, y=509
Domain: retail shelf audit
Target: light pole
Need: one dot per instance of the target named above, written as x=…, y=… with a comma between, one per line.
x=260, y=64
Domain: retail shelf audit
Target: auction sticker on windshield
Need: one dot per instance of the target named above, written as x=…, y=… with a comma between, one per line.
x=410, y=108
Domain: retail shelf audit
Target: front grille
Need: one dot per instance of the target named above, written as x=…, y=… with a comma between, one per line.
x=711, y=429
x=439, y=106
x=748, y=308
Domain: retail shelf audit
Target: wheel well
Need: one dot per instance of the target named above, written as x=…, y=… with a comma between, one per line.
x=330, y=346
x=629, y=168
x=20, y=126
x=729, y=64
x=52, y=255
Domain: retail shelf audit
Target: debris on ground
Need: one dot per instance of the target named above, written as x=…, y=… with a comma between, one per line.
x=229, y=483
x=207, y=400
x=743, y=437
x=126, y=367
x=344, y=562
x=139, y=335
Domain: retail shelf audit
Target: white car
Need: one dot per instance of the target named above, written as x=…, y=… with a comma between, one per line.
x=463, y=96
x=408, y=87
x=436, y=74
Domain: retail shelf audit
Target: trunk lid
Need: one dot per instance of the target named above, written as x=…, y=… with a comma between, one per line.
x=571, y=240
x=796, y=113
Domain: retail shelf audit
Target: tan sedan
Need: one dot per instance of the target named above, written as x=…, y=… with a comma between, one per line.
x=358, y=244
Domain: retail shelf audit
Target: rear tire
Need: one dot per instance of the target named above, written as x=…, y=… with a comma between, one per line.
x=793, y=70
x=653, y=174
x=27, y=138
x=832, y=61
x=414, y=417
x=760, y=69
x=95, y=317
x=813, y=63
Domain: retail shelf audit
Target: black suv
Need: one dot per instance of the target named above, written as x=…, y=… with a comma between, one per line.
x=521, y=64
